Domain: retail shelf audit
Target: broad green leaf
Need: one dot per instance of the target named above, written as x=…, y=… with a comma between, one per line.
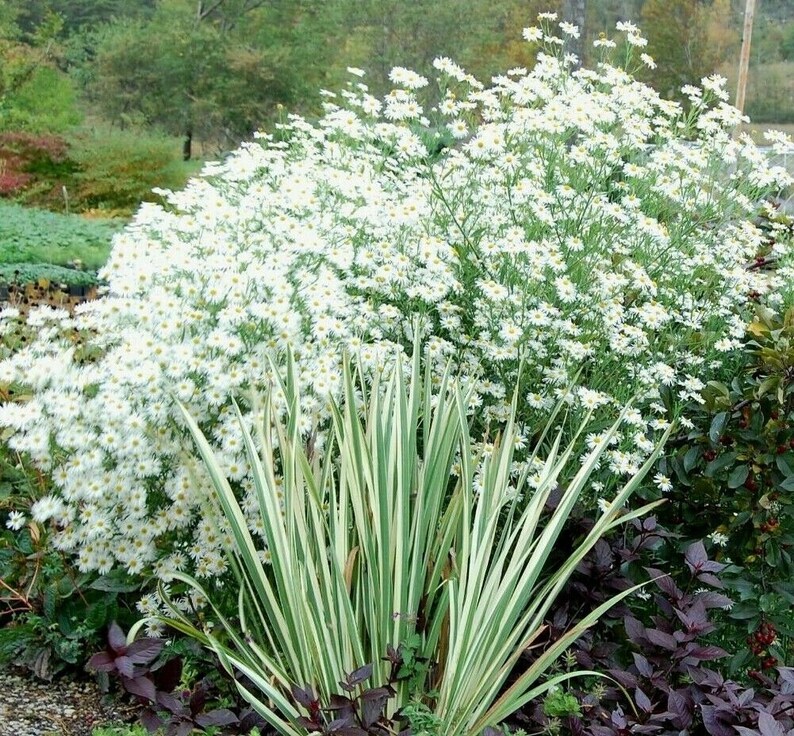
x=718, y=425
x=738, y=476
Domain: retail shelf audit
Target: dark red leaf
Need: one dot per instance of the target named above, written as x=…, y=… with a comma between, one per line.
x=746, y=697
x=144, y=651
x=173, y=704
x=697, y=560
x=373, y=704
x=376, y=693
x=102, y=662
x=167, y=677
x=309, y=723
x=626, y=679
x=338, y=724
x=116, y=639
x=339, y=703
x=678, y=706
x=714, y=725
x=666, y=641
x=707, y=653
x=634, y=629
x=360, y=675
x=643, y=665
x=768, y=726
x=643, y=701
x=143, y=687
x=150, y=720
x=198, y=698
x=709, y=579
x=250, y=719
x=219, y=717
x=183, y=728
x=618, y=718
x=602, y=555
x=708, y=679
x=711, y=599
x=649, y=524
x=665, y=582
x=304, y=697
x=695, y=618
x=125, y=666
x=695, y=556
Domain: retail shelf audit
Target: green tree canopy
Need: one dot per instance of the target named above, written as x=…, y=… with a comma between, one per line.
x=682, y=38
x=215, y=71
x=35, y=95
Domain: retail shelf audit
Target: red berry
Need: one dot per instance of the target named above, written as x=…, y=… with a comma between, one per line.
x=709, y=455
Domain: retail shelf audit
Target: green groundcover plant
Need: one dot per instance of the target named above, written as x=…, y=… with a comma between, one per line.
x=34, y=236
x=578, y=218
x=405, y=534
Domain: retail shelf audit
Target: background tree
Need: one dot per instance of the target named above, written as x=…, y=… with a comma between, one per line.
x=213, y=72
x=75, y=14
x=603, y=14
x=387, y=33
x=679, y=41
x=35, y=95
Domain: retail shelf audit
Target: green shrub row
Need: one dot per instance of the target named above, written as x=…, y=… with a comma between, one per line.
x=112, y=171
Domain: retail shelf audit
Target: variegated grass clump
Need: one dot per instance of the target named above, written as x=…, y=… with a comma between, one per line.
x=405, y=527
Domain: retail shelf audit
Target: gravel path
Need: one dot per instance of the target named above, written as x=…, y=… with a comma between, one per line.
x=29, y=707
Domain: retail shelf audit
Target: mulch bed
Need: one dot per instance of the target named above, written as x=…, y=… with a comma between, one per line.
x=64, y=707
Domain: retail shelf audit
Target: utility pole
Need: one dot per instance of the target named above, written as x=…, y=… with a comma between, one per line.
x=744, y=59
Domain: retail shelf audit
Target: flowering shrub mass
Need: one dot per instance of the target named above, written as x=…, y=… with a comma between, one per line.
x=577, y=220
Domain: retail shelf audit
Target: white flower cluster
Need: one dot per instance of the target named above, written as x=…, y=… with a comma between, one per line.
x=577, y=221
